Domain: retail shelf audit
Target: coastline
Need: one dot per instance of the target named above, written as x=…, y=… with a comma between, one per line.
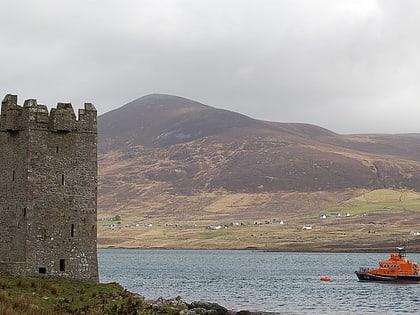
x=49, y=296
x=342, y=251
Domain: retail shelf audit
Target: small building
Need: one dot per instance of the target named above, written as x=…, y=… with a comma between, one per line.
x=281, y=222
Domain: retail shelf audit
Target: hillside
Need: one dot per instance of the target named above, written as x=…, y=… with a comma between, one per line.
x=168, y=160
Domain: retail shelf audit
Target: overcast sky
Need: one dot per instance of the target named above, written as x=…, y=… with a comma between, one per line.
x=352, y=66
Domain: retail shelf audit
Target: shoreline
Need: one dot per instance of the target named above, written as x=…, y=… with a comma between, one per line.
x=27, y=296
x=343, y=251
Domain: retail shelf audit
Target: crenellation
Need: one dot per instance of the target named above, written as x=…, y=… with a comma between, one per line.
x=14, y=117
x=10, y=113
x=87, y=118
x=8, y=101
x=30, y=103
x=63, y=118
x=42, y=116
x=48, y=193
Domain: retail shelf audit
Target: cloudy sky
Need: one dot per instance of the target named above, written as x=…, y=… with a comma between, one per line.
x=352, y=66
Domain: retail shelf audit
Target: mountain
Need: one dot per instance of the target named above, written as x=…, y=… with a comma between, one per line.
x=159, y=120
x=169, y=159
x=207, y=149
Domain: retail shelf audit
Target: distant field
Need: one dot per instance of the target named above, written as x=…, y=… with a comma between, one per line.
x=378, y=220
x=380, y=200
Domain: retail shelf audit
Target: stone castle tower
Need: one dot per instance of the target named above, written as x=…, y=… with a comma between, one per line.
x=48, y=190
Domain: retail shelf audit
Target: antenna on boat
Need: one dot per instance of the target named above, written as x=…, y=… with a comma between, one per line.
x=402, y=250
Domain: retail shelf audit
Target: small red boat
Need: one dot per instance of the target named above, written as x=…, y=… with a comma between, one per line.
x=396, y=269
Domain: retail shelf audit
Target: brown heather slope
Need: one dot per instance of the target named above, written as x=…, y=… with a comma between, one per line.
x=167, y=160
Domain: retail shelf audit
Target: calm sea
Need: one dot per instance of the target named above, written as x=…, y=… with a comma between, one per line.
x=286, y=283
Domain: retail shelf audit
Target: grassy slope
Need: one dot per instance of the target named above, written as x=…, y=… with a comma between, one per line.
x=40, y=296
x=379, y=220
x=26, y=296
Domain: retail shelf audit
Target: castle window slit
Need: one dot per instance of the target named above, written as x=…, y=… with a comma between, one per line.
x=42, y=270
x=13, y=175
x=62, y=179
x=62, y=265
x=72, y=230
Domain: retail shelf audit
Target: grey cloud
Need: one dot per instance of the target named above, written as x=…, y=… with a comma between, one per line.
x=350, y=66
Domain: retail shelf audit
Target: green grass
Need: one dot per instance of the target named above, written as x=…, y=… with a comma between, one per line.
x=380, y=200
x=27, y=296
x=40, y=296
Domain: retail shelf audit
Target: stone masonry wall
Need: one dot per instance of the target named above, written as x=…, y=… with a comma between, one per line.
x=13, y=188
x=48, y=200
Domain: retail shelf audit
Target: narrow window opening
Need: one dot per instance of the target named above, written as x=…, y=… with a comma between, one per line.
x=62, y=265
x=72, y=230
x=62, y=179
x=24, y=212
x=56, y=149
x=13, y=175
x=42, y=270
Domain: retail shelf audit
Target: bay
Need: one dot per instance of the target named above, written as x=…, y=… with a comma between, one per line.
x=279, y=282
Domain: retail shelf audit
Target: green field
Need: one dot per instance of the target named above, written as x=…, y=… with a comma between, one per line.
x=380, y=200
x=376, y=220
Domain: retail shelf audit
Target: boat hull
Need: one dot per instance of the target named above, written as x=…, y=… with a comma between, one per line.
x=366, y=276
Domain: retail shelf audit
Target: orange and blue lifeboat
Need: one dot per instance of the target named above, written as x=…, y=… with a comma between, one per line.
x=396, y=269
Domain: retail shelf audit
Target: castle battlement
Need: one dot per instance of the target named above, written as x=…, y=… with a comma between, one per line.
x=31, y=115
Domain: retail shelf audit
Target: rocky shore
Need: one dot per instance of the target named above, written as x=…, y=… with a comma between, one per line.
x=178, y=306
x=29, y=296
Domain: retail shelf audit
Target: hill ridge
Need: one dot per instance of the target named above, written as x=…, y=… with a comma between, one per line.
x=194, y=163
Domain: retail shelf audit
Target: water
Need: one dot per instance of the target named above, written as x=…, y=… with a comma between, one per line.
x=260, y=281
